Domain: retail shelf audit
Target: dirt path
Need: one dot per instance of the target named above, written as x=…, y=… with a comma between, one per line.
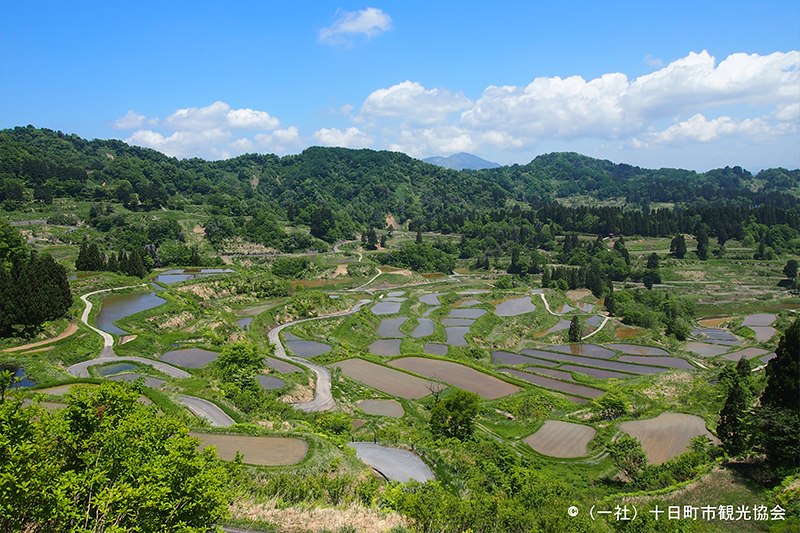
x=72, y=328
x=108, y=340
x=323, y=400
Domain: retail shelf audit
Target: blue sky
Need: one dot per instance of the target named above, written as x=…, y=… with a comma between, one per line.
x=681, y=84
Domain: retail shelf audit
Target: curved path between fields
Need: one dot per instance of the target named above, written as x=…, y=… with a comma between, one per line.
x=72, y=328
x=323, y=400
x=198, y=406
x=547, y=306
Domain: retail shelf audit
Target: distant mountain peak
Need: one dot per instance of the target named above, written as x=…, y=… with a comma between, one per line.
x=461, y=161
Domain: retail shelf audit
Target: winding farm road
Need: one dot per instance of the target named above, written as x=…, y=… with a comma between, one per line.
x=198, y=406
x=323, y=400
x=547, y=306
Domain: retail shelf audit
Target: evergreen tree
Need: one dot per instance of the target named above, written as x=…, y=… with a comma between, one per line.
x=678, y=247
x=778, y=416
x=546, y=278
x=652, y=261
x=790, y=270
x=383, y=241
x=419, y=236
x=575, y=330
x=702, y=244
x=732, y=428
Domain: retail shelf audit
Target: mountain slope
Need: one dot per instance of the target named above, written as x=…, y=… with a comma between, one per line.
x=461, y=161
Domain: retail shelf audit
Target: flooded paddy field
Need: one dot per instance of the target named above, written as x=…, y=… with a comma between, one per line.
x=117, y=307
x=389, y=408
x=457, y=375
x=554, y=384
x=306, y=349
x=561, y=439
x=267, y=451
x=667, y=435
x=386, y=348
x=635, y=349
x=514, y=307
x=390, y=327
x=190, y=357
x=390, y=381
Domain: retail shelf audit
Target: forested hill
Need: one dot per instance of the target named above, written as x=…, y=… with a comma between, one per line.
x=366, y=184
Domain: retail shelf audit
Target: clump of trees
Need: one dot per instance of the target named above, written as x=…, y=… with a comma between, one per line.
x=105, y=463
x=33, y=286
x=650, y=309
x=454, y=416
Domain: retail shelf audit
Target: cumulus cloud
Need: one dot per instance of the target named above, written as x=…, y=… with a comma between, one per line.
x=348, y=24
x=220, y=115
x=349, y=138
x=699, y=129
x=131, y=120
x=414, y=103
x=181, y=143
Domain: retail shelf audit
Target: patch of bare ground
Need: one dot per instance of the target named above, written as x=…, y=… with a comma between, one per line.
x=390, y=221
x=302, y=519
x=173, y=322
x=206, y=291
x=240, y=246
x=694, y=275
x=577, y=294
x=198, y=229
x=299, y=394
x=669, y=386
x=341, y=270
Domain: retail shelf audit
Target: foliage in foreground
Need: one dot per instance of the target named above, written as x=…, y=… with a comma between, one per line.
x=105, y=463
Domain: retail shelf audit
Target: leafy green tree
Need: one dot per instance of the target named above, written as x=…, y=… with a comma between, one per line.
x=778, y=416
x=612, y=404
x=323, y=224
x=575, y=330
x=702, y=244
x=678, y=247
x=628, y=455
x=454, y=416
x=652, y=261
x=239, y=362
x=105, y=463
x=504, y=283
x=418, y=239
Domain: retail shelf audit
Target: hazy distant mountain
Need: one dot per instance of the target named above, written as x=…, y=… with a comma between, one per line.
x=461, y=161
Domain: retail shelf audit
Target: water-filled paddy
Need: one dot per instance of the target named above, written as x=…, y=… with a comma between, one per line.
x=268, y=451
x=431, y=310
x=556, y=385
x=388, y=380
x=469, y=302
x=390, y=327
x=596, y=372
x=115, y=369
x=559, y=374
x=270, y=383
x=561, y=439
x=514, y=307
x=436, y=349
x=190, y=357
x=153, y=383
x=760, y=319
x=382, y=408
x=705, y=349
x=587, y=350
x=457, y=375
x=396, y=294
x=431, y=299
x=635, y=349
x=424, y=328
x=306, y=349
x=763, y=333
x=245, y=322
x=593, y=320
x=671, y=362
x=455, y=335
x=386, y=308
x=176, y=276
x=19, y=372
x=565, y=308
x=748, y=353
x=510, y=358
x=599, y=363
x=667, y=435
x=560, y=326
x=627, y=333
x=457, y=321
x=386, y=347
x=466, y=313
x=114, y=308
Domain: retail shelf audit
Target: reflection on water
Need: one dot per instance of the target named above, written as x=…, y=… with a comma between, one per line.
x=19, y=372
x=115, y=369
x=117, y=307
x=176, y=276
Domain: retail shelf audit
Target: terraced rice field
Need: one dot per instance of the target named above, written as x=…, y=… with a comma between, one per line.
x=386, y=347
x=431, y=299
x=282, y=367
x=671, y=362
x=635, y=349
x=436, y=349
x=306, y=349
x=153, y=383
x=270, y=383
x=598, y=363
x=705, y=349
x=667, y=435
x=588, y=350
x=457, y=375
x=190, y=357
x=749, y=353
x=386, y=308
x=560, y=326
x=423, y=329
x=509, y=358
x=390, y=328
x=555, y=384
x=455, y=335
x=596, y=372
x=382, y=408
x=268, y=451
x=514, y=307
x=561, y=439
x=392, y=382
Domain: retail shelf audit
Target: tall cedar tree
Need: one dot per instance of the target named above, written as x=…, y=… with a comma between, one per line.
x=733, y=429
x=678, y=247
x=778, y=417
x=575, y=330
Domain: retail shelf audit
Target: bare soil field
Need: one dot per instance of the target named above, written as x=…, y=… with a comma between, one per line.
x=384, y=379
x=269, y=451
x=667, y=435
x=749, y=353
x=561, y=439
x=382, y=408
x=457, y=375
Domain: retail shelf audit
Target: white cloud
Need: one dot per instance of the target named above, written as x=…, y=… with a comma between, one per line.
x=350, y=138
x=130, y=121
x=252, y=120
x=699, y=129
x=653, y=61
x=220, y=115
x=414, y=103
x=181, y=143
x=368, y=22
x=279, y=141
